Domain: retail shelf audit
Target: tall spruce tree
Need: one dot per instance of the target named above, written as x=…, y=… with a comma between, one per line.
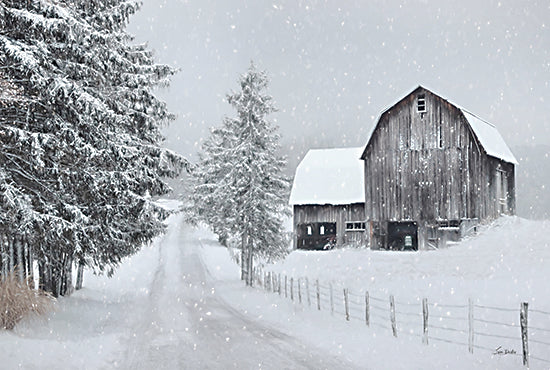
x=80, y=156
x=240, y=189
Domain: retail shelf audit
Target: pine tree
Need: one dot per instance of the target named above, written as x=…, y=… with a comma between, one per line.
x=240, y=190
x=81, y=156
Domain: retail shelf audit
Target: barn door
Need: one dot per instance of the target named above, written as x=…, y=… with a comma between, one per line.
x=502, y=191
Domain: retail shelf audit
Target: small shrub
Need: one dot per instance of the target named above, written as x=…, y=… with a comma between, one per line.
x=17, y=301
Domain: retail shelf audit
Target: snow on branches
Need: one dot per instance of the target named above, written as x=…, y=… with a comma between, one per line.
x=240, y=189
x=80, y=128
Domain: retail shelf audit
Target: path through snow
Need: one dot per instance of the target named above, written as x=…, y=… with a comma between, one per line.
x=186, y=325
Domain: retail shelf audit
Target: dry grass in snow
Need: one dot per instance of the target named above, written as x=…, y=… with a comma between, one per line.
x=17, y=301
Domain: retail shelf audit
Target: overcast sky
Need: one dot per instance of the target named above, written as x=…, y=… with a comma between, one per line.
x=335, y=65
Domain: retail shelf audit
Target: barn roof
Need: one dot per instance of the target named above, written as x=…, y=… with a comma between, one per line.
x=329, y=176
x=489, y=137
x=486, y=133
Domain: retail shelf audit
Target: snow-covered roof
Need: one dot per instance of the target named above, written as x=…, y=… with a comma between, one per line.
x=489, y=137
x=329, y=176
x=487, y=133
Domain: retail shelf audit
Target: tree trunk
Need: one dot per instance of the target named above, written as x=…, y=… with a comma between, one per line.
x=11, y=253
x=20, y=262
x=244, y=258
x=30, y=259
x=45, y=276
x=68, y=276
x=250, y=263
x=3, y=272
x=79, y=276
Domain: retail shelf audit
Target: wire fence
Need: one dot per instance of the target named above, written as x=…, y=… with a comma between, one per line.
x=502, y=331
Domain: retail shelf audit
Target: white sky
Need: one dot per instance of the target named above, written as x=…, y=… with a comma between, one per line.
x=335, y=65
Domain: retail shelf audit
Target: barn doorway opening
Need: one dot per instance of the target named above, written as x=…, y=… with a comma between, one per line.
x=403, y=236
x=502, y=191
x=316, y=235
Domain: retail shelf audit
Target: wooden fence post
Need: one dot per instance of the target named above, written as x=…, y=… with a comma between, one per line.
x=470, y=325
x=318, y=295
x=286, y=286
x=300, y=290
x=425, y=320
x=392, y=316
x=331, y=300
x=279, y=284
x=524, y=336
x=367, y=309
x=346, y=303
x=292, y=289
x=307, y=292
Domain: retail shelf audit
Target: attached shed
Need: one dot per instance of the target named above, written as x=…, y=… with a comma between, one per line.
x=328, y=199
x=433, y=171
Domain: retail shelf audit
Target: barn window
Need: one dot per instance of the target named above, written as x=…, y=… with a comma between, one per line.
x=448, y=224
x=421, y=104
x=309, y=230
x=355, y=226
x=322, y=230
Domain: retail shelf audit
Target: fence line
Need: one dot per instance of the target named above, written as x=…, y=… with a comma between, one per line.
x=370, y=310
x=437, y=305
x=497, y=323
x=495, y=308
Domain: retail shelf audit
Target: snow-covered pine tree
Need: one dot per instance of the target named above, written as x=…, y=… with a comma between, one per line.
x=81, y=155
x=240, y=190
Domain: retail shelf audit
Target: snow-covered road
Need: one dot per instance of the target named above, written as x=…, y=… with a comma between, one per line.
x=185, y=324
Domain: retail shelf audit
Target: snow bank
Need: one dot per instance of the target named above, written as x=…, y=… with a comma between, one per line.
x=89, y=329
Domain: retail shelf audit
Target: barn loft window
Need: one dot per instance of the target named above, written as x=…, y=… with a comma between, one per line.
x=421, y=104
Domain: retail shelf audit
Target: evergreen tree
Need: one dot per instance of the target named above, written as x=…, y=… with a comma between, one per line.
x=240, y=189
x=81, y=155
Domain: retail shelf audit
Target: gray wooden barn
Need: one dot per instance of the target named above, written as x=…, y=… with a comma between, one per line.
x=328, y=199
x=433, y=171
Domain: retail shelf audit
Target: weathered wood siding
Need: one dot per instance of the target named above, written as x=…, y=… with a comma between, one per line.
x=333, y=213
x=430, y=166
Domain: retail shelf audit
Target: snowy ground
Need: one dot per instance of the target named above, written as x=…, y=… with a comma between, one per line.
x=180, y=304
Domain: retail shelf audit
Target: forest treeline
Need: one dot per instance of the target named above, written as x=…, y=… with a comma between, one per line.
x=80, y=130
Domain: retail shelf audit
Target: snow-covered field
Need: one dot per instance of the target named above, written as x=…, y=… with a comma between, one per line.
x=180, y=304
x=504, y=265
